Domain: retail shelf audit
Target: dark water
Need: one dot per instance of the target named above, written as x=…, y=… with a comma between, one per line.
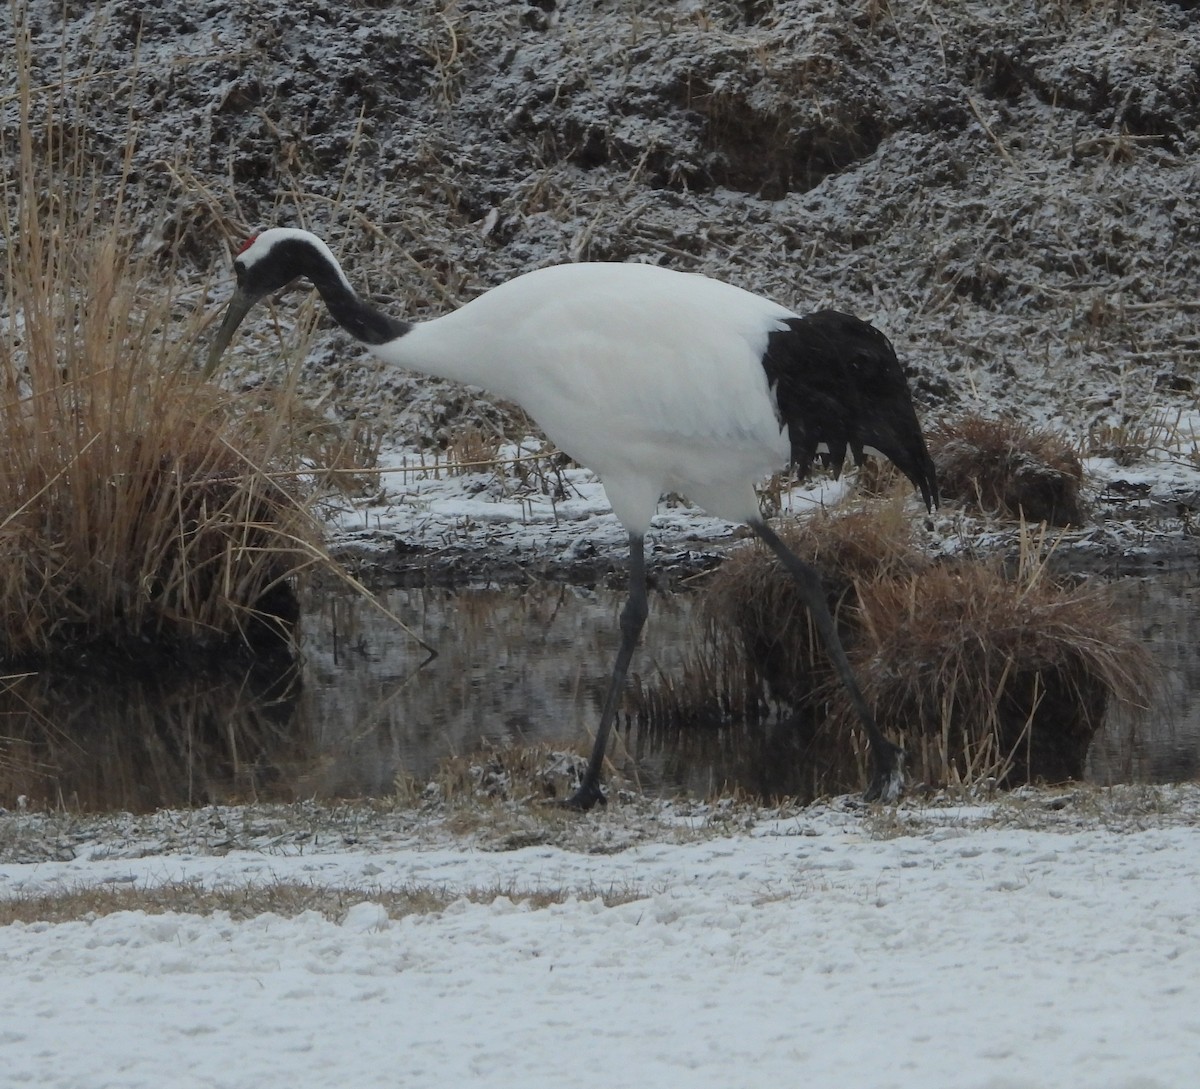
x=1163, y=744
x=524, y=665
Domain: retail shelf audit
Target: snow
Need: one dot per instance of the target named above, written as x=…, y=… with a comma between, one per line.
x=950, y=946
x=422, y=501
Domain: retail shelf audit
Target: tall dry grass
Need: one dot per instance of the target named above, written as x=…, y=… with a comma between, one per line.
x=985, y=672
x=137, y=505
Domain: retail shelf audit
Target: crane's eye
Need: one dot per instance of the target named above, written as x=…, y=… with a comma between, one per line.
x=247, y=244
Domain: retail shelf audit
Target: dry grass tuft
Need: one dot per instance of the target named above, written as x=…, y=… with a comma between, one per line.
x=472, y=448
x=983, y=674
x=1007, y=467
x=755, y=688
x=756, y=599
x=139, y=505
x=986, y=675
x=522, y=773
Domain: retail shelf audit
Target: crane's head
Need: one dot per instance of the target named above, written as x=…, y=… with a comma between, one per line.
x=265, y=263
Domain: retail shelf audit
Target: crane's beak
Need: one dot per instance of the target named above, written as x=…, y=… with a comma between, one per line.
x=239, y=307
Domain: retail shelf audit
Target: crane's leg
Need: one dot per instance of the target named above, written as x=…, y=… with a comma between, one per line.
x=633, y=617
x=887, y=779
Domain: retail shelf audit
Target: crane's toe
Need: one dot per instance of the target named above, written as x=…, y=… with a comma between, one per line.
x=586, y=797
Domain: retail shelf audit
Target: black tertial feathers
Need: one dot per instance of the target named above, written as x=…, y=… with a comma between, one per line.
x=838, y=384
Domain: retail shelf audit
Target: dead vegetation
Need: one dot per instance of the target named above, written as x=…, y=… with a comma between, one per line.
x=283, y=898
x=1009, y=468
x=984, y=672
x=987, y=675
x=528, y=465
x=532, y=773
x=141, y=507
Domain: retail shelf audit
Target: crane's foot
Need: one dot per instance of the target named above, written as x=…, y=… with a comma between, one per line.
x=887, y=780
x=586, y=797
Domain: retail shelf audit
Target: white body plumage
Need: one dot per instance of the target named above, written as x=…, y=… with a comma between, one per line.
x=650, y=377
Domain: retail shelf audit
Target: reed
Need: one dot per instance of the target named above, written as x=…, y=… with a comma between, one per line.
x=140, y=506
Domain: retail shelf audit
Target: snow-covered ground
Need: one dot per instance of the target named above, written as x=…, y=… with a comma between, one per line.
x=1051, y=943
x=554, y=512
x=561, y=512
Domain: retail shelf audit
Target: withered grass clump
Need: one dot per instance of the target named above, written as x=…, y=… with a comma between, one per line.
x=1007, y=467
x=987, y=675
x=137, y=506
x=982, y=674
x=754, y=599
x=137, y=503
x=510, y=772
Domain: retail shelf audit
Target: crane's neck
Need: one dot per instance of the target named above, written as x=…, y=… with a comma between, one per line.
x=454, y=346
x=361, y=320
x=451, y=346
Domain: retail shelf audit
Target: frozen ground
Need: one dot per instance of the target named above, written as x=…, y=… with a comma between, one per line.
x=556, y=521
x=503, y=525
x=1051, y=942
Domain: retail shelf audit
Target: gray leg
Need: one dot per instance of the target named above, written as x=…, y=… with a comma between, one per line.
x=633, y=617
x=887, y=779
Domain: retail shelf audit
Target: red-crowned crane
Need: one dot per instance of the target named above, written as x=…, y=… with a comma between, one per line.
x=658, y=381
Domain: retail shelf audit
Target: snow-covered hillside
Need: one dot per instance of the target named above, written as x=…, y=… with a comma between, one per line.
x=1010, y=190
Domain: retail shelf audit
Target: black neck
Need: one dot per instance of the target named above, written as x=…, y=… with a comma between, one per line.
x=361, y=320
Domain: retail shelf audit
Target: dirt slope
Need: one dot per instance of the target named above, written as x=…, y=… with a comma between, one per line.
x=1010, y=189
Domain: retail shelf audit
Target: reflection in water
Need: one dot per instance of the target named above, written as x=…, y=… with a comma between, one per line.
x=514, y=665
x=1163, y=744
x=519, y=665
x=139, y=739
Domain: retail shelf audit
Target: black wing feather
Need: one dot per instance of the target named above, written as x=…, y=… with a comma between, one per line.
x=838, y=384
